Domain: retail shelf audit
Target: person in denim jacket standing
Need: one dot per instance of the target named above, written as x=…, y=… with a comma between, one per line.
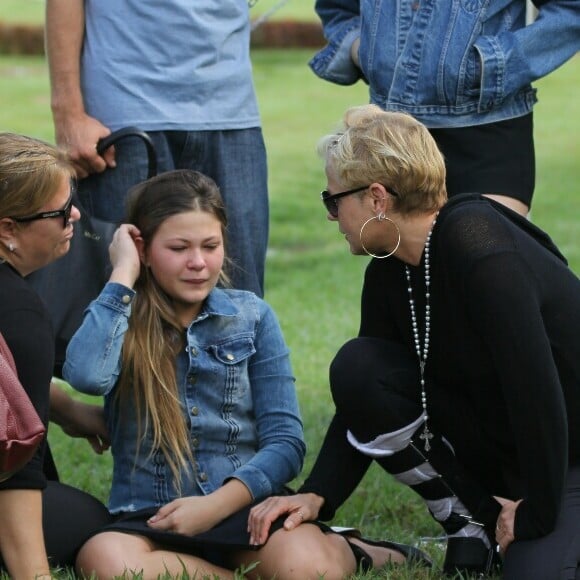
x=199, y=401
x=463, y=68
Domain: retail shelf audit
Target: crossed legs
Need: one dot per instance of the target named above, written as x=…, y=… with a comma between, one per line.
x=301, y=554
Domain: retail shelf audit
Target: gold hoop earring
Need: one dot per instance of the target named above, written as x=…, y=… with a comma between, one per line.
x=381, y=217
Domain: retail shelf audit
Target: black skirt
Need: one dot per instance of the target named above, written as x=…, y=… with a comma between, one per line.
x=492, y=158
x=214, y=545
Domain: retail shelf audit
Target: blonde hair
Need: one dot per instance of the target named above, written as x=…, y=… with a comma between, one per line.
x=155, y=336
x=31, y=171
x=393, y=149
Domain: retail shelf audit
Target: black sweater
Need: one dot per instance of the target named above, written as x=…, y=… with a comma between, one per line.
x=505, y=343
x=26, y=326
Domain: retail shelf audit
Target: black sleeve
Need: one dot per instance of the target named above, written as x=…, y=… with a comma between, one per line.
x=516, y=291
x=28, y=333
x=337, y=471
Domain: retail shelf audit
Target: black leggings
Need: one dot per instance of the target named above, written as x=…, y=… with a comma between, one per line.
x=375, y=386
x=69, y=516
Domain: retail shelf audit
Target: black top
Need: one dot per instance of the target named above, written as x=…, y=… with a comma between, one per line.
x=26, y=326
x=505, y=315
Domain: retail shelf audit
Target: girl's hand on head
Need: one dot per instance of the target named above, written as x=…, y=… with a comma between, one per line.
x=124, y=255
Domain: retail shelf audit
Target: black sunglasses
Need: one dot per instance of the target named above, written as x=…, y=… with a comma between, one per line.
x=64, y=212
x=330, y=199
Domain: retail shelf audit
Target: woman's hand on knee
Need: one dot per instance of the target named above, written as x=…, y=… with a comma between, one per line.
x=300, y=507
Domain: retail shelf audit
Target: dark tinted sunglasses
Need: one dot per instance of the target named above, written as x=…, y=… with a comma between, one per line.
x=64, y=213
x=330, y=199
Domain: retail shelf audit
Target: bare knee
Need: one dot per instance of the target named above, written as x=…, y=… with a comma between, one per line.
x=305, y=553
x=105, y=556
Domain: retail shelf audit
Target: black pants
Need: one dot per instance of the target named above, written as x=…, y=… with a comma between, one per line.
x=69, y=516
x=375, y=386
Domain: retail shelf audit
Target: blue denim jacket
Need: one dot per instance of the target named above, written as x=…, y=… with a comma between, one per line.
x=235, y=381
x=449, y=63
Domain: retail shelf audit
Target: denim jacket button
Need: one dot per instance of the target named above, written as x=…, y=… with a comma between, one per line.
x=230, y=356
x=193, y=351
x=195, y=442
x=126, y=299
x=203, y=476
x=191, y=379
x=195, y=411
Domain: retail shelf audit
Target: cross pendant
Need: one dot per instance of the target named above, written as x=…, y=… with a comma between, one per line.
x=425, y=436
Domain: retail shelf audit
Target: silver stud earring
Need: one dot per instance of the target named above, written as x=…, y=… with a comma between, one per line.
x=11, y=246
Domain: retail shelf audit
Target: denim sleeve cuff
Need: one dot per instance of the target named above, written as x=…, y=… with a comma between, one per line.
x=334, y=62
x=255, y=480
x=117, y=297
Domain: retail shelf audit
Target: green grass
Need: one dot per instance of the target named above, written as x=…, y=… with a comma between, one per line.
x=312, y=281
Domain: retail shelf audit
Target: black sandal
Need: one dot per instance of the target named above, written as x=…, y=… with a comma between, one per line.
x=413, y=555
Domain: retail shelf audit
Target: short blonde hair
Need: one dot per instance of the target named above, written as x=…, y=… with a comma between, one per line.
x=394, y=149
x=31, y=171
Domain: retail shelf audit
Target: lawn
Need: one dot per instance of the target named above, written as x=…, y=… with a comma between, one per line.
x=312, y=281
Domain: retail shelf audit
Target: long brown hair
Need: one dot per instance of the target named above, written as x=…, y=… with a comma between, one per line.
x=155, y=336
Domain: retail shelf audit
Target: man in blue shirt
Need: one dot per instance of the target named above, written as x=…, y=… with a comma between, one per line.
x=181, y=71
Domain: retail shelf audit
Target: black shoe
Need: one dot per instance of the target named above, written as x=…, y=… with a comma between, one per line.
x=470, y=556
x=413, y=555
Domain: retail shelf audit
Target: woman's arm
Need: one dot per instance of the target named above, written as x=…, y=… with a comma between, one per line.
x=196, y=514
x=516, y=336
x=513, y=59
x=337, y=62
x=78, y=419
x=337, y=471
x=281, y=447
x=93, y=356
x=21, y=534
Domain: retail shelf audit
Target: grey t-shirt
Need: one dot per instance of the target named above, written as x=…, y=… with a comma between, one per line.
x=171, y=65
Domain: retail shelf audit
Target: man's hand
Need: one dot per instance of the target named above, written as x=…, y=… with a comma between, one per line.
x=79, y=136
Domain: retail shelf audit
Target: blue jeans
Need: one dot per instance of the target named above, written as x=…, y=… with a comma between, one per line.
x=235, y=159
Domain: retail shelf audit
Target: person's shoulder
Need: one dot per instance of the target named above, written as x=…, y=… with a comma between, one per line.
x=474, y=220
x=240, y=299
x=16, y=292
x=470, y=213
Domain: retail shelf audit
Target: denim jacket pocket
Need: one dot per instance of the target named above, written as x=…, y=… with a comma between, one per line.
x=233, y=351
x=472, y=83
x=233, y=356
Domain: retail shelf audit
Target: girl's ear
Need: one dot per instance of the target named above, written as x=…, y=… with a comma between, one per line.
x=140, y=245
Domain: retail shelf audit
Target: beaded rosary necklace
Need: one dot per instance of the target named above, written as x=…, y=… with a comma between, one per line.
x=423, y=352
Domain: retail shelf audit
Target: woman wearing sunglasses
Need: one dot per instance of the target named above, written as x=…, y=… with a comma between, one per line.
x=36, y=216
x=464, y=381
